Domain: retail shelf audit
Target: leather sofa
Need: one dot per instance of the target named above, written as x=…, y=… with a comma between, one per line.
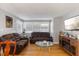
x=40, y=36
x=20, y=42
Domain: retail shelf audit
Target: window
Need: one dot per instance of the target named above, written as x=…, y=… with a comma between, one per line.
x=36, y=26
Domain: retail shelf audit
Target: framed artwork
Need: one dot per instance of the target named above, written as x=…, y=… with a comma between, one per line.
x=9, y=22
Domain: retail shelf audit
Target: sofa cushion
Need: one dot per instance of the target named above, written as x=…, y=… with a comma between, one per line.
x=2, y=39
x=40, y=34
x=16, y=34
x=13, y=39
x=21, y=42
x=40, y=38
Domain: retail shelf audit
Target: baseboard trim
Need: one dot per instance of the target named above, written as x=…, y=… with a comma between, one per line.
x=55, y=42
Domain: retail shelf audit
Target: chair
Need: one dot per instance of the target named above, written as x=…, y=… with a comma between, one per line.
x=7, y=47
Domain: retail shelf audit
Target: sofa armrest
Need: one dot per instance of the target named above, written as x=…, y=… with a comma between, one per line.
x=50, y=39
x=31, y=38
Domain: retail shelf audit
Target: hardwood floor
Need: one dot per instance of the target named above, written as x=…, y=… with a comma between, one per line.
x=33, y=50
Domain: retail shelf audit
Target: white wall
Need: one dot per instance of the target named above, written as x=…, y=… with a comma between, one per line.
x=52, y=27
x=58, y=26
x=19, y=26
x=3, y=29
x=69, y=16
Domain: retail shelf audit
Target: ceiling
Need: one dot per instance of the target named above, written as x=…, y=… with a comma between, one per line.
x=39, y=10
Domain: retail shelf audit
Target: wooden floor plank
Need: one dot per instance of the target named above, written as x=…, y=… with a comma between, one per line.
x=33, y=50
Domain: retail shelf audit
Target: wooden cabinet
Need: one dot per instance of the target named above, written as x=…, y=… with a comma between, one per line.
x=69, y=44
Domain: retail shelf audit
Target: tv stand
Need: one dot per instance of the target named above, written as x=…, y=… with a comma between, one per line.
x=70, y=45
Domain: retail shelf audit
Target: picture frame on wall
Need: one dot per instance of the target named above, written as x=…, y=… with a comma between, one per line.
x=9, y=22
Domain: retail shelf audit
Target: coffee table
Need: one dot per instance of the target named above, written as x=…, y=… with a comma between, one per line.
x=43, y=44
